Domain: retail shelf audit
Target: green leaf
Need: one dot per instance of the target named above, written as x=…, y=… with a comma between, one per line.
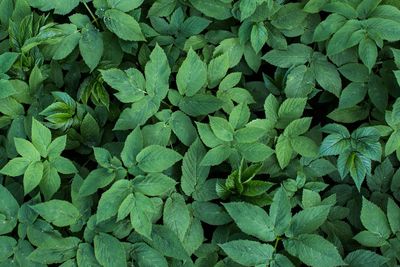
x=85, y=256
x=248, y=253
x=314, y=6
x=59, y=250
x=200, y=104
x=369, y=239
x=67, y=45
x=355, y=72
x=98, y=178
x=147, y=256
x=33, y=176
x=374, y=219
x=57, y=146
x=157, y=73
x=368, y=52
x=154, y=184
x=15, y=167
x=308, y=220
x=393, y=143
x=176, y=215
x=8, y=211
x=217, y=9
x=7, y=59
x=251, y=219
x=59, y=212
x=210, y=213
x=168, y=243
x=255, y=152
x=364, y=258
x=183, y=128
x=123, y=25
x=141, y=214
x=109, y=251
x=130, y=83
x=247, y=8
x=7, y=246
x=284, y=151
x=112, y=199
x=292, y=108
x=124, y=5
x=387, y=29
x=132, y=146
x=353, y=94
x=258, y=37
x=26, y=149
x=239, y=116
x=221, y=128
x=327, y=75
x=314, y=250
x=216, y=156
x=192, y=74
x=295, y=54
x=217, y=69
x=63, y=165
x=297, y=127
x=41, y=137
x=280, y=211
x=156, y=158
x=193, y=173
x=304, y=146
x=162, y=8
x=91, y=46
x=393, y=215
x=345, y=37
x=60, y=7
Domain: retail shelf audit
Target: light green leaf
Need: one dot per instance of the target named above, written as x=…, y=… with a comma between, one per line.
x=393, y=214
x=251, y=219
x=156, y=158
x=41, y=137
x=124, y=5
x=314, y=251
x=157, y=73
x=58, y=212
x=109, y=251
x=248, y=253
x=193, y=173
x=217, y=9
x=91, y=46
x=26, y=149
x=176, y=215
x=15, y=166
x=308, y=220
x=280, y=211
x=154, y=184
x=216, y=155
x=284, y=151
x=374, y=219
x=112, y=199
x=123, y=25
x=129, y=83
x=33, y=175
x=295, y=54
x=192, y=74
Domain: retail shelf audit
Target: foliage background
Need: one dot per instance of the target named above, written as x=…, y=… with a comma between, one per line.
x=199, y=133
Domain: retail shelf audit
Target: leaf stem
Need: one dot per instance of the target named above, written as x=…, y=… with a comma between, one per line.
x=91, y=14
x=276, y=243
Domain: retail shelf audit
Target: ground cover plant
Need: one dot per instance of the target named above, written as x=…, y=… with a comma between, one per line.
x=206, y=133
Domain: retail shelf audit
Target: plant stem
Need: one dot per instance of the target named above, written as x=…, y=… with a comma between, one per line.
x=91, y=14
x=276, y=243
